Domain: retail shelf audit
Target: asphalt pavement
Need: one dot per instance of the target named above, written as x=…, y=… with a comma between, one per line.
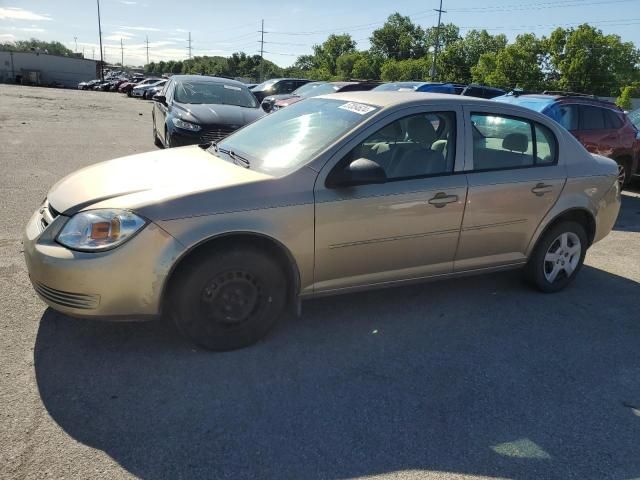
x=471, y=378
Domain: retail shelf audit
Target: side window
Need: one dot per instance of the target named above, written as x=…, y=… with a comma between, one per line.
x=612, y=119
x=591, y=118
x=501, y=142
x=414, y=146
x=546, y=146
x=567, y=116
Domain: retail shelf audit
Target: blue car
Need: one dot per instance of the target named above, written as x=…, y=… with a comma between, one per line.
x=431, y=87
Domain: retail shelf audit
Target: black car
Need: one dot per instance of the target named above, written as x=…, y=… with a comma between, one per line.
x=313, y=89
x=195, y=109
x=277, y=86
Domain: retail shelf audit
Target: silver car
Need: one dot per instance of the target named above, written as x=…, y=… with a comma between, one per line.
x=334, y=194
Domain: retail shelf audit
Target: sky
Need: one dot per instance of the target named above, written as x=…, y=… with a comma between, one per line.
x=292, y=27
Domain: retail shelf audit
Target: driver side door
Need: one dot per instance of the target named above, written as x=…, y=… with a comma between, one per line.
x=405, y=228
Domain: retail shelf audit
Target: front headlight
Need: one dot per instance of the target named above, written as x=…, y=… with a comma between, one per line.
x=185, y=125
x=96, y=230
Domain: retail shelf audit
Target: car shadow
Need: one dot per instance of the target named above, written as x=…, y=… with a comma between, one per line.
x=479, y=376
x=629, y=217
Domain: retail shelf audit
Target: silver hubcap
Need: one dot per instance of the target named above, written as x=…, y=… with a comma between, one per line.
x=563, y=257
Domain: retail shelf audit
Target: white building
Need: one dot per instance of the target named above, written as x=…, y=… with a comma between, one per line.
x=44, y=69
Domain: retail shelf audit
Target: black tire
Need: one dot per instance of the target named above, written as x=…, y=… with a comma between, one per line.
x=229, y=299
x=538, y=269
x=156, y=140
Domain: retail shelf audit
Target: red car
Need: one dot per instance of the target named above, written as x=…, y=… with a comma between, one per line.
x=601, y=126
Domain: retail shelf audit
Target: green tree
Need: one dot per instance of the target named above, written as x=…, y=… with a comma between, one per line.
x=518, y=65
x=54, y=48
x=587, y=61
x=399, y=39
x=405, y=70
x=327, y=54
x=624, y=100
x=449, y=34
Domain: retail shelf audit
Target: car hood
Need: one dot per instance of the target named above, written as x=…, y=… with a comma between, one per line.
x=213, y=114
x=151, y=178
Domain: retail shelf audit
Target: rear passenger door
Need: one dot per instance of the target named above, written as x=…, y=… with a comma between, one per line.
x=514, y=180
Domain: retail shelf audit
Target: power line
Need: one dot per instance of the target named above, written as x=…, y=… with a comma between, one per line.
x=537, y=6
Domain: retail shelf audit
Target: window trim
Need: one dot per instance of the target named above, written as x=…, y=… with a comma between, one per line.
x=339, y=164
x=532, y=124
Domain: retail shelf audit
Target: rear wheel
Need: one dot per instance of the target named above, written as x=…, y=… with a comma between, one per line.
x=230, y=299
x=624, y=171
x=558, y=257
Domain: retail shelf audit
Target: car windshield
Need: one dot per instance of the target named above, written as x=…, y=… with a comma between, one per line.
x=264, y=85
x=635, y=117
x=532, y=103
x=217, y=93
x=289, y=138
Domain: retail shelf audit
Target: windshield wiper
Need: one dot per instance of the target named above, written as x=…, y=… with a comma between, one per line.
x=237, y=159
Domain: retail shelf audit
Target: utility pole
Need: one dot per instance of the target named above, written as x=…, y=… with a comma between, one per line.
x=147, y=49
x=93, y=53
x=437, y=46
x=189, y=47
x=100, y=35
x=75, y=39
x=261, y=79
x=121, y=54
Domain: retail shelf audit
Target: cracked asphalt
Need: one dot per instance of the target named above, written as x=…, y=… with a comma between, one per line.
x=470, y=378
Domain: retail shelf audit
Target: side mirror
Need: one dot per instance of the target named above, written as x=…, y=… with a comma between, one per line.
x=160, y=98
x=266, y=106
x=359, y=172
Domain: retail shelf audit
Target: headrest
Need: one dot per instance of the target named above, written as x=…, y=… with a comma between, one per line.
x=392, y=131
x=516, y=142
x=421, y=130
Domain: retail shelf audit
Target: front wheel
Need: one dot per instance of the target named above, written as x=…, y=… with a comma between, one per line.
x=558, y=257
x=624, y=172
x=229, y=299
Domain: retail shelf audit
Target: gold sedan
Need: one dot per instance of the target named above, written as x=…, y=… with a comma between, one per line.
x=333, y=194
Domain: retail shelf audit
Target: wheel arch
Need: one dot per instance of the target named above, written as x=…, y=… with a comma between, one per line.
x=580, y=215
x=263, y=242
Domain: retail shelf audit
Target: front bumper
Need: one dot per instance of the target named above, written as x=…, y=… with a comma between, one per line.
x=182, y=138
x=137, y=93
x=126, y=282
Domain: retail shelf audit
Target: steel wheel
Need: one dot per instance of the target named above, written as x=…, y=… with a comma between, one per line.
x=230, y=298
x=562, y=257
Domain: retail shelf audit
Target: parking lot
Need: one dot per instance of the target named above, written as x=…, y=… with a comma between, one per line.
x=479, y=377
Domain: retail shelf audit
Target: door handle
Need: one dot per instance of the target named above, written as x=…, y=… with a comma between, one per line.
x=541, y=188
x=442, y=199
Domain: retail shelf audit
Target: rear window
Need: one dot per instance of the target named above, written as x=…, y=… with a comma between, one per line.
x=213, y=93
x=591, y=118
x=613, y=120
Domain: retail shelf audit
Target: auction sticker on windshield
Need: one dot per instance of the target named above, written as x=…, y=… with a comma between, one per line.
x=359, y=108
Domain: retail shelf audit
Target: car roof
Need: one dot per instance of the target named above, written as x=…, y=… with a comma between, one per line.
x=392, y=98
x=551, y=97
x=207, y=78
